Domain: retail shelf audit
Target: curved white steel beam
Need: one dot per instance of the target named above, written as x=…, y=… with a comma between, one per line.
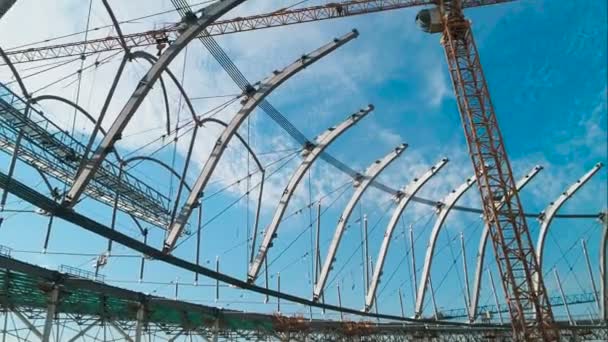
x=90, y=167
x=310, y=154
x=159, y=162
x=255, y=96
x=547, y=215
x=360, y=184
x=481, y=251
x=443, y=209
x=403, y=199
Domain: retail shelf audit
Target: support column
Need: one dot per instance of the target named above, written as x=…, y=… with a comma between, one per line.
x=591, y=277
x=139, y=327
x=401, y=303
x=561, y=292
x=217, y=282
x=465, y=271
x=51, y=309
x=366, y=265
x=413, y=261
x=11, y=170
x=340, y=302
x=495, y=296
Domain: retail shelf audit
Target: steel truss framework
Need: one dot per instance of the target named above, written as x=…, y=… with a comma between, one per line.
x=27, y=134
x=37, y=304
x=254, y=97
x=240, y=24
x=90, y=166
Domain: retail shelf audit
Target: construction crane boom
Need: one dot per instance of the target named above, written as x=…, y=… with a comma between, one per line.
x=526, y=295
x=262, y=21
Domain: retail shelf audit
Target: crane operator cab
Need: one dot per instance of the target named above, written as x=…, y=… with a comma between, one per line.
x=429, y=20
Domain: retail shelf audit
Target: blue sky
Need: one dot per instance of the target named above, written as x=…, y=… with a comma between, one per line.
x=545, y=63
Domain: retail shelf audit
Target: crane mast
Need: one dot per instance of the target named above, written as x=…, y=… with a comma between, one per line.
x=526, y=295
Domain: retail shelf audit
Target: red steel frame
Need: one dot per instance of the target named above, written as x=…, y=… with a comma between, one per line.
x=531, y=315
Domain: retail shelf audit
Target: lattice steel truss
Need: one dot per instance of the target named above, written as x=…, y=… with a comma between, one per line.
x=53, y=152
x=37, y=304
x=47, y=302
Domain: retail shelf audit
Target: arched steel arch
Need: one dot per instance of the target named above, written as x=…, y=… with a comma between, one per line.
x=361, y=184
x=159, y=162
x=254, y=98
x=151, y=59
x=87, y=171
x=255, y=159
x=238, y=136
x=71, y=103
x=483, y=241
x=96, y=123
x=403, y=199
x=311, y=153
x=121, y=37
x=546, y=217
x=443, y=209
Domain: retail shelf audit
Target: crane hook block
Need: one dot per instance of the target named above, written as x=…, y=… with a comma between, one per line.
x=429, y=20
